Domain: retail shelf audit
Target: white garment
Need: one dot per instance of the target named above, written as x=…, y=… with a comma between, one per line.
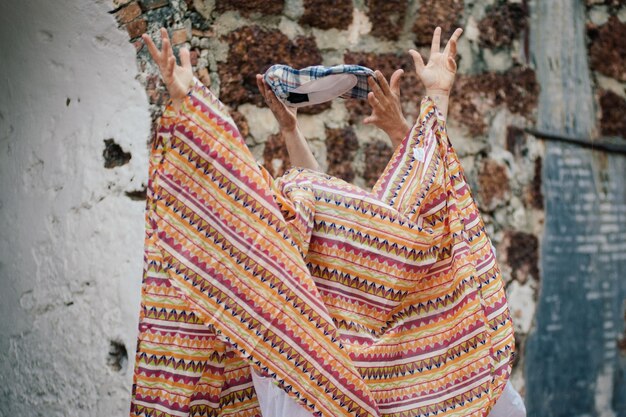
x=275, y=402
x=510, y=404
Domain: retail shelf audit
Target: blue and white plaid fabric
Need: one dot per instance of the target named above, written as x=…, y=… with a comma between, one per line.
x=283, y=79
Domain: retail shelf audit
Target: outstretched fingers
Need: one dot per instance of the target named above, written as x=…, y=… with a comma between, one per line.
x=376, y=107
x=436, y=42
x=373, y=100
x=375, y=86
x=166, y=47
x=382, y=82
x=376, y=98
x=185, y=58
x=417, y=61
x=152, y=48
x=168, y=71
x=451, y=46
x=177, y=78
x=394, y=82
x=164, y=56
x=450, y=49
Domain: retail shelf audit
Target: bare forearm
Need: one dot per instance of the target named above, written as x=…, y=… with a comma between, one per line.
x=397, y=135
x=300, y=154
x=441, y=99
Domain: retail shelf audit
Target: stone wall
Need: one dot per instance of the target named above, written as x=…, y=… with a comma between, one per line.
x=606, y=31
x=494, y=99
x=73, y=184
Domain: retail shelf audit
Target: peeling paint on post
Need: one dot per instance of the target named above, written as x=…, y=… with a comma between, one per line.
x=573, y=367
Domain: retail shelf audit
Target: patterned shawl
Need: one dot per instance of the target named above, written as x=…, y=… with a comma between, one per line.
x=383, y=303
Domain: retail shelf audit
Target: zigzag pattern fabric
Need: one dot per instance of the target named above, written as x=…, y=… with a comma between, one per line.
x=384, y=303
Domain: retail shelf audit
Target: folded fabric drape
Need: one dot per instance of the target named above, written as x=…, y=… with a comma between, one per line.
x=357, y=303
x=317, y=84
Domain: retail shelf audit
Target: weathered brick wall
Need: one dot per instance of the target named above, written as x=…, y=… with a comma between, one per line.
x=606, y=31
x=494, y=99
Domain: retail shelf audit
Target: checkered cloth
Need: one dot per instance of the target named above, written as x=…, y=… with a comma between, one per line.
x=317, y=84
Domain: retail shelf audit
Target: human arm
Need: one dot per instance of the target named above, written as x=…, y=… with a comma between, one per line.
x=178, y=79
x=300, y=154
x=386, y=107
x=438, y=75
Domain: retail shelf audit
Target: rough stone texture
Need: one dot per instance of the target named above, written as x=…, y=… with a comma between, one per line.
x=326, y=14
x=128, y=13
x=248, y=7
x=535, y=195
x=113, y=154
x=71, y=245
x=493, y=183
x=522, y=255
x=118, y=355
x=342, y=145
x=522, y=313
x=387, y=17
x=473, y=96
x=503, y=24
x=316, y=109
x=137, y=195
x=275, y=156
x=611, y=3
x=607, y=49
x=377, y=156
x=252, y=50
x=494, y=99
x=157, y=94
x=153, y=4
x=613, y=121
x=515, y=140
x=136, y=28
x=241, y=122
x=433, y=13
x=179, y=36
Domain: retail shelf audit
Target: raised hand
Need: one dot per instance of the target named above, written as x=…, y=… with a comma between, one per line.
x=438, y=75
x=300, y=154
x=286, y=116
x=386, y=107
x=177, y=78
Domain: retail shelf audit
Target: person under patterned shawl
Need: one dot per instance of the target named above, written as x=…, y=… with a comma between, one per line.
x=354, y=303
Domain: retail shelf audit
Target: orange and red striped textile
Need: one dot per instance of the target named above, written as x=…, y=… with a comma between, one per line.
x=383, y=303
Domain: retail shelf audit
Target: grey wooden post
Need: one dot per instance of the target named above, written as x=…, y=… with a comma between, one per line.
x=573, y=366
